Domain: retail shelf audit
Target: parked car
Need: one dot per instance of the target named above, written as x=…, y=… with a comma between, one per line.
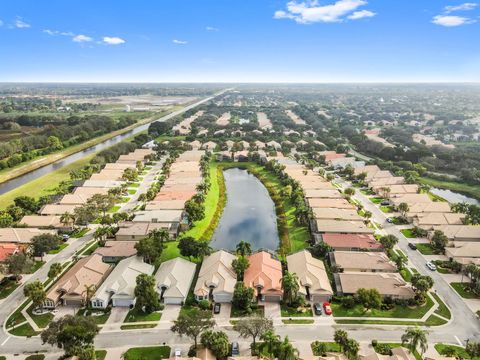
x=216, y=308
x=389, y=220
x=385, y=203
x=431, y=266
x=317, y=308
x=327, y=308
x=178, y=352
x=412, y=246
x=65, y=237
x=235, y=349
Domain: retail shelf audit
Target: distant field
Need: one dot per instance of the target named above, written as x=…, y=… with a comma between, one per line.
x=44, y=184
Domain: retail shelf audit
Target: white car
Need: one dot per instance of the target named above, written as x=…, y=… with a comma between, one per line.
x=431, y=266
x=178, y=353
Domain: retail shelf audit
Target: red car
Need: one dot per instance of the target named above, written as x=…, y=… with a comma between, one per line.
x=327, y=308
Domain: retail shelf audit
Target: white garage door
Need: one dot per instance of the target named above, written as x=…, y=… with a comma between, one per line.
x=222, y=298
x=172, y=301
x=123, y=302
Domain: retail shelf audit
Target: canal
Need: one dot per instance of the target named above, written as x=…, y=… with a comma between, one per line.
x=249, y=214
x=454, y=197
x=32, y=175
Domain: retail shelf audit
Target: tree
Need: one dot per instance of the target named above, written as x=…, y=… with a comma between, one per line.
x=193, y=323
x=44, y=243
x=35, y=292
x=71, y=333
x=151, y=247
x=319, y=348
x=18, y=263
x=439, y=241
x=290, y=286
x=421, y=284
x=67, y=219
x=27, y=203
x=388, y=242
x=6, y=220
x=217, y=342
x=244, y=248
x=351, y=348
x=55, y=270
x=473, y=349
x=367, y=215
x=130, y=174
x=414, y=338
x=242, y=296
x=253, y=327
x=195, y=211
x=146, y=294
x=349, y=191
x=341, y=338
x=272, y=341
x=286, y=351
x=320, y=250
x=54, y=143
x=190, y=247
x=239, y=265
x=369, y=298
x=403, y=208
x=88, y=292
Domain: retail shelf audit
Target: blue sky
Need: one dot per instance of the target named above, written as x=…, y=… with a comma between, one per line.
x=240, y=40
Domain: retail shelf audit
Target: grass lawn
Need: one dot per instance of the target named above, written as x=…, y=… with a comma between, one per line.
x=24, y=330
x=235, y=313
x=408, y=233
x=148, y=353
x=406, y=275
x=35, y=357
x=170, y=251
x=377, y=200
x=99, y=319
x=137, y=315
x=425, y=249
x=459, y=351
x=400, y=312
x=44, y=184
x=137, y=326
x=100, y=354
x=386, y=209
x=296, y=312
x=43, y=320
x=331, y=347
x=37, y=265
x=434, y=320
x=7, y=287
x=298, y=321
x=114, y=209
x=132, y=191
x=463, y=290
x=60, y=248
x=79, y=232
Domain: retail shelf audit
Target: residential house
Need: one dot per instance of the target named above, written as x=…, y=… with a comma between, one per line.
x=464, y=252
x=362, y=261
x=8, y=249
x=352, y=242
x=70, y=289
x=216, y=279
x=336, y=214
x=459, y=232
x=174, y=279
x=114, y=251
x=320, y=226
x=21, y=235
x=119, y=287
x=264, y=275
x=314, y=284
x=47, y=221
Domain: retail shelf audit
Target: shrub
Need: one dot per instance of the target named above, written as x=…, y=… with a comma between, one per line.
x=383, y=349
x=348, y=302
x=374, y=342
x=204, y=305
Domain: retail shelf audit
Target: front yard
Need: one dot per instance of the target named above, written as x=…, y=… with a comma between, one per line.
x=148, y=353
x=137, y=315
x=463, y=290
x=408, y=233
x=301, y=311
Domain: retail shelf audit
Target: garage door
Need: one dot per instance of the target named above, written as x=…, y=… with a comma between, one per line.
x=222, y=298
x=273, y=298
x=123, y=302
x=172, y=301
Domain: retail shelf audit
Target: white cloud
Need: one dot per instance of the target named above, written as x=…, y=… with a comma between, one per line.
x=462, y=7
x=1, y=23
x=211, y=28
x=179, y=42
x=113, y=40
x=361, y=14
x=451, y=20
x=81, y=38
x=312, y=12
x=20, y=24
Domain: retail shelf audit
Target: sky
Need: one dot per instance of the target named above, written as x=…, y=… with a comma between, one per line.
x=239, y=41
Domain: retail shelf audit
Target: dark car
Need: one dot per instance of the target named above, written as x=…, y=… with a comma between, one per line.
x=235, y=349
x=412, y=246
x=216, y=308
x=317, y=308
x=385, y=203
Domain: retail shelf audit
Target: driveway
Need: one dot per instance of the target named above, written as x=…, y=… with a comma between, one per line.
x=170, y=313
x=272, y=311
x=117, y=315
x=223, y=318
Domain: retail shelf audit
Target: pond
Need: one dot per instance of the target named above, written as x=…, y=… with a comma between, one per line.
x=249, y=214
x=453, y=197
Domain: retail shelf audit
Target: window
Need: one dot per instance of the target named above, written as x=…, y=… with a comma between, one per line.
x=97, y=303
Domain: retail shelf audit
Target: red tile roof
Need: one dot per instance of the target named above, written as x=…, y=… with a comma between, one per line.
x=6, y=250
x=357, y=241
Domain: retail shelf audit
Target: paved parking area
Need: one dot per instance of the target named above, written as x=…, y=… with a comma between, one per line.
x=170, y=313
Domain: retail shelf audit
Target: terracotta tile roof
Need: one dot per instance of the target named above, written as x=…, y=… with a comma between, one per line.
x=265, y=272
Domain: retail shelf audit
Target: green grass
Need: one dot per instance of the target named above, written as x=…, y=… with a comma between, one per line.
x=443, y=349
x=114, y=209
x=294, y=312
x=463, y=290
x=386, y=209
x=461, y=187
x=236, y=313
x=442, y=310
x=100, y=319
x=35, y=357
x=100, y=354
x=79, y=232
x=297, y=321
x=137, y=315
x=377, y=200
x=170, y=251
x=132, y=191
x=134, y=185
x=406, y=275
x=425, y=249
x=44, y=184
x=331, y=347
x=400, y=312
x=148, y=353
x=17, y=316
x=24, y=330
x=137, y=326
x=43, y=320
x=60, y=248
x=36, y=265
x=7, y=287
x=408, y=233
x=434, y=320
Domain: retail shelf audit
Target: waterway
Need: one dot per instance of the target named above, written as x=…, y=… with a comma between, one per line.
x=32, y=175
x=454, y=197
x=249, y=214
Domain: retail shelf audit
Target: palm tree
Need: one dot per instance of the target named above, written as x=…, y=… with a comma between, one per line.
x=351, y=348
x=286, y=351
x=415, y=337
x=290, y=287
x=244, y=248
x=341, y=338
x=67, y=218
x=88, y=293
x=272, y=341
x=403, y=208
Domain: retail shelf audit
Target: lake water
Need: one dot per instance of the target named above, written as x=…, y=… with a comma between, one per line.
x=454, y=197
x=249, y=214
